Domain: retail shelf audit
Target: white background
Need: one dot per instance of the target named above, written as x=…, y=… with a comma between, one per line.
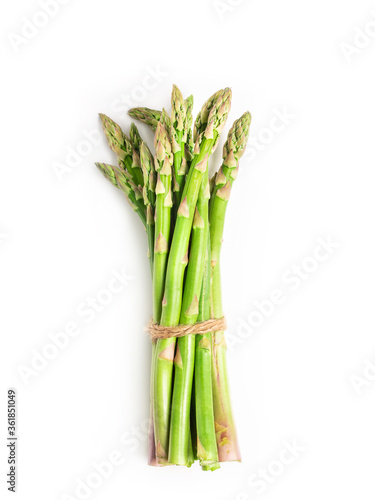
x=305, y=374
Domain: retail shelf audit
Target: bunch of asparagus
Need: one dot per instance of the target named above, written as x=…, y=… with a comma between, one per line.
x=183, y=212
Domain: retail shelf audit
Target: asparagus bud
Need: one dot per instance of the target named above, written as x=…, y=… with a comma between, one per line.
x=148, y=116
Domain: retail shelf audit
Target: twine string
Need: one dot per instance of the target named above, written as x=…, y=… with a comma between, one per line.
x=157, y=331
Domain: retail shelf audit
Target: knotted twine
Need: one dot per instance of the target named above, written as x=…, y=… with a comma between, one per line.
x=157, y=331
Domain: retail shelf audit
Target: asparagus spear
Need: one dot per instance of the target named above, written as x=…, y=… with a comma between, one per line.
x=233, y=149
x=180, y=128
x=204, y=114
x=119, y=179
x=163, y=191
x=206, y=435
x=148, y=190
x=149, y=177
x=185, y=352
x=189, y=103
x=148, y=170
x=165, y=120
x=122, y=146
x=148, y=116
x=184, y=359
x=135, y=138
x=171, y=306
x=189, y=146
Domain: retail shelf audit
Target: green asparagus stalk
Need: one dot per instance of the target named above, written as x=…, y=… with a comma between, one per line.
x=148, y=171
x=204, y=114
x=185, y=351
x=122, y=147
x=171, y=305
x=189, y=103
x=149, y=176
x=135, y=138
x=166, y=121
x=150, y=117
x=233, y=150
x=206, y=435
x=189, y=145
x=119, y=179
x=180, y=130
x=163, y=192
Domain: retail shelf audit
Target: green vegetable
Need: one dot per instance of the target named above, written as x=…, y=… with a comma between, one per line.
x=183, y=214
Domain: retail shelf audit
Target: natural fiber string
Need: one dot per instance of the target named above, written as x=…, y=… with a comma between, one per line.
x=157, y=331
